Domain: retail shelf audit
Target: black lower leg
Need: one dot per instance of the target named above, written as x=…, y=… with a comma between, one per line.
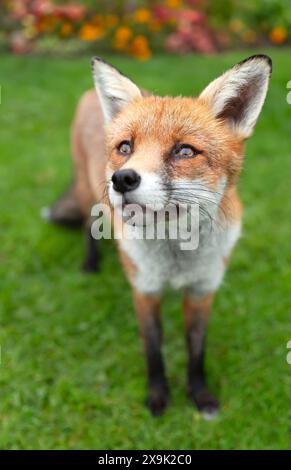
x=157, y=383
x=148, y=314
x=196, y=314
x=92, y=259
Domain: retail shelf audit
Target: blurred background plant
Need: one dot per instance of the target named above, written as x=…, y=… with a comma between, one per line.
x=139, y=28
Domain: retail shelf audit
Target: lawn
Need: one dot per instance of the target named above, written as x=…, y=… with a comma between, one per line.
x=72, y=369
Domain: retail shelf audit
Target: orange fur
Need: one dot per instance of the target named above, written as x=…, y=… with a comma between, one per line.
x=163, y=122
x=156, y=124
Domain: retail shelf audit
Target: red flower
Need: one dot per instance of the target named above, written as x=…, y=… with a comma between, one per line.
x=161, y=13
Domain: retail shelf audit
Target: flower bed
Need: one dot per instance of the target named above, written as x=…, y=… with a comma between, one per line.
x=139, y=28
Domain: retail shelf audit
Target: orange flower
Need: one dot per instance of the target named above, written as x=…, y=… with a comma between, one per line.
x=66, y=30
x=155, y=25
x=139, y=48
x=47, y=24
x=142, y=15
x=111, y=20
x=90, y=32
x=122, y=36
x=173, y=3
x=278, y=35
x=96, y=20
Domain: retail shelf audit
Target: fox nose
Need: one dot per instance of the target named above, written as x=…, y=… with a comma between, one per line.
x=125, y=180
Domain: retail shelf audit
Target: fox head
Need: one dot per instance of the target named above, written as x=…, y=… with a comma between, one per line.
x=164, y=150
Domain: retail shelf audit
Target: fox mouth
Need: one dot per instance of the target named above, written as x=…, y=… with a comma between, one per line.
x=129, y=206
x=142, y=215
x=149, y=207
x=145, y=212
x=129, y=203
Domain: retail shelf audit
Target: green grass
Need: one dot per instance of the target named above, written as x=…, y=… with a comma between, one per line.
x=72, y=371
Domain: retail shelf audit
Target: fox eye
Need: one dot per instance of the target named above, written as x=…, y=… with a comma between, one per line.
x=125, y=148
x=184, y=151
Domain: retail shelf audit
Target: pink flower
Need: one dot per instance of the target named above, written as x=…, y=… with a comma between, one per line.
x=19, y=44
x=42, y=7
x=179, y=42
x=20, y=8
x=71, y=12
x=191, y=16
x=202, y=40
x=197, y=39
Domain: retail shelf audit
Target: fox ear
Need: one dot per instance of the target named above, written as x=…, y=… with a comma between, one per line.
x=238, y=95
x=113, y=89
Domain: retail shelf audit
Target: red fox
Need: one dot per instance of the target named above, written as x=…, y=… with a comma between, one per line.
x=136, y=148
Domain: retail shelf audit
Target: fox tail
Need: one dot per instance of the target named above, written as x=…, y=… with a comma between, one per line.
x=65, y=211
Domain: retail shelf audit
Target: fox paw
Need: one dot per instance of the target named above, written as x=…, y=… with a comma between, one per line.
x=157, y=401
x=206, y=403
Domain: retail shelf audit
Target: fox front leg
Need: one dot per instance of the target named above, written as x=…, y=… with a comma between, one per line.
x=148, y=313
x=196, y=314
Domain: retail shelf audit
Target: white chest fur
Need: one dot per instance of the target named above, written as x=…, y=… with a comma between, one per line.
x=162, y=263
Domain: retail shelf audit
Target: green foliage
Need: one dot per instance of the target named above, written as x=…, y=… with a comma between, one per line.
x=72, y=371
